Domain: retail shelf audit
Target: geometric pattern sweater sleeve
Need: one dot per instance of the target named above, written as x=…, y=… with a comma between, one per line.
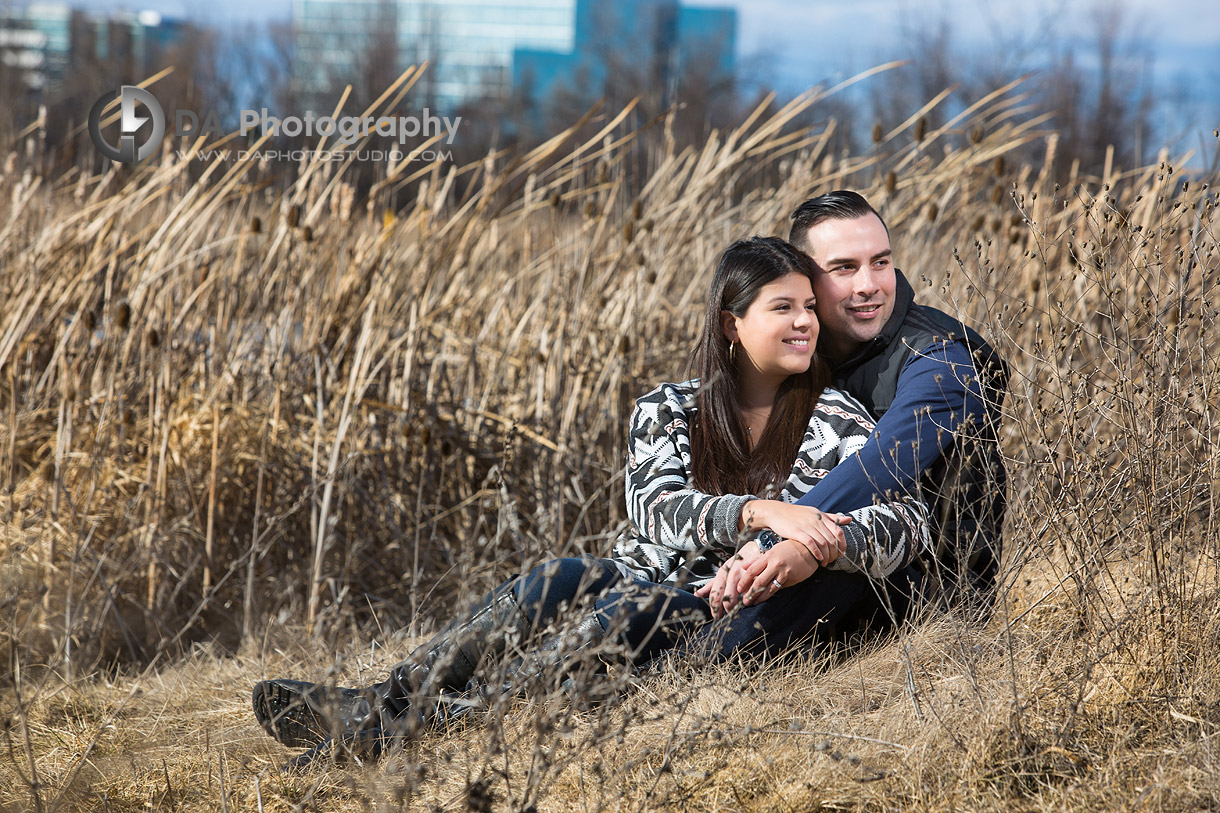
x=681, y=536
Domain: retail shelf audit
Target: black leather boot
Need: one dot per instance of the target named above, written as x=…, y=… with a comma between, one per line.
x=441, y=682
x=448, y=663
x=302, y=715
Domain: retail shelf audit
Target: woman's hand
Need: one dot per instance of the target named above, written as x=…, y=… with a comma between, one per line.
x=817, y=530
x=786, y=564
x=721, y=592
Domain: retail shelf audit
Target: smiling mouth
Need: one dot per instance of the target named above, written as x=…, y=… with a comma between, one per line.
x=865, y=310
x=797, y=342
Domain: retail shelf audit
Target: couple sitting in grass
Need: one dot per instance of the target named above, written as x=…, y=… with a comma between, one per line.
x=833, y=467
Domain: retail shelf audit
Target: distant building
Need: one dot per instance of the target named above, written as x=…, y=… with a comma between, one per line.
x=334, y=43
x=490, y=48
x=658, y=39
x=36, y=43
x=42, y=41
x=707, y=39
x=470, y=45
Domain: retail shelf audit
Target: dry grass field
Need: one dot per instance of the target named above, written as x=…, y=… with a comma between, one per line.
x=255, y=429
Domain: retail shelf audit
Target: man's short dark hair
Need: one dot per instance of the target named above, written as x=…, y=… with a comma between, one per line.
x=841, y=204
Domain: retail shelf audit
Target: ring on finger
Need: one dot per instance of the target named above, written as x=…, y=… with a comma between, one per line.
x=777, y=584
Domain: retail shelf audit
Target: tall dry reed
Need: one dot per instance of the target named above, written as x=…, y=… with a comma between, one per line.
x=236, y=411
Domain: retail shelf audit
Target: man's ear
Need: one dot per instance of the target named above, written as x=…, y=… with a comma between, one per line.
x=728, y=325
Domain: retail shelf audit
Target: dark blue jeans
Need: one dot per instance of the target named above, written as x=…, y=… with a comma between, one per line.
x=647, y=619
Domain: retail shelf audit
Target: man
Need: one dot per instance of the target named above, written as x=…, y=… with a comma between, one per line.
x=934, y=386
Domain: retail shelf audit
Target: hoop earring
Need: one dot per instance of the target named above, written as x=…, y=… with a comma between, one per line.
x=732, y=347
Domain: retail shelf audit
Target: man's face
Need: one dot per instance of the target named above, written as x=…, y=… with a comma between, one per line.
x=854, y=283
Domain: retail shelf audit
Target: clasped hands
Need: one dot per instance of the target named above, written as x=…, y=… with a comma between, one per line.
x=811, y=539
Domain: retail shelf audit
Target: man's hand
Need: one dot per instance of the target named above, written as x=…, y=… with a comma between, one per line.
x=816, y=530
x=718, y=592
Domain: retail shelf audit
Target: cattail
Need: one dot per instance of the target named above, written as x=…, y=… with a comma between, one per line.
x=637, y=209
x=556, y=199
x=921, y=129
x=997, y=194
x=590, y=208
x=650, y=277
x=977, y=225
x=294, y=215
x=154, y=338
x=878, y=132
x=976, y=135
x=307, y=234
x=891, y=182
x=647, y=225
x=129, y=417
x=90, y=320
x=341, y=202
x=932, y=211
x=997, y=166
x=123, y=315
x=256, y=225
x=628, y=231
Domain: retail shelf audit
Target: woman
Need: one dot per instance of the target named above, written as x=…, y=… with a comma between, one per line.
x=710, y=480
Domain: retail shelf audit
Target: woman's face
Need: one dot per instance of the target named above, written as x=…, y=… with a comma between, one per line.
x=779, y=330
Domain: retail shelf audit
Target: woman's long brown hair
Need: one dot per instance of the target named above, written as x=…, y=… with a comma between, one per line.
x=722, y=461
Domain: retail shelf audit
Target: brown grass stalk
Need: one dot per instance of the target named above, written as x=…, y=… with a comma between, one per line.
x=183, y=519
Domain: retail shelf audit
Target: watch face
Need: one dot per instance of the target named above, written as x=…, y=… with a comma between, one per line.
x=767, y=540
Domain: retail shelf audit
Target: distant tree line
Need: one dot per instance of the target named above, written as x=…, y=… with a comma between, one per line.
x=1096, y=95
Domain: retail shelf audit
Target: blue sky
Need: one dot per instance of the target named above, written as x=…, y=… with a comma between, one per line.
x=793, y=44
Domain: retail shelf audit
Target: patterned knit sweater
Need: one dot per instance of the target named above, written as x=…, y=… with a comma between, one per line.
x=681, y=536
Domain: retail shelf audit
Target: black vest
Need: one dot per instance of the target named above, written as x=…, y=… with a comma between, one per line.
x=965, y=488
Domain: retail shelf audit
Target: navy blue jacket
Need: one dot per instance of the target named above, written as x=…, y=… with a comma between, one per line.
x=936, y=388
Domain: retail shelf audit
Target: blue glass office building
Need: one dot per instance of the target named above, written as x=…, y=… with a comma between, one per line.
x=659, y=37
